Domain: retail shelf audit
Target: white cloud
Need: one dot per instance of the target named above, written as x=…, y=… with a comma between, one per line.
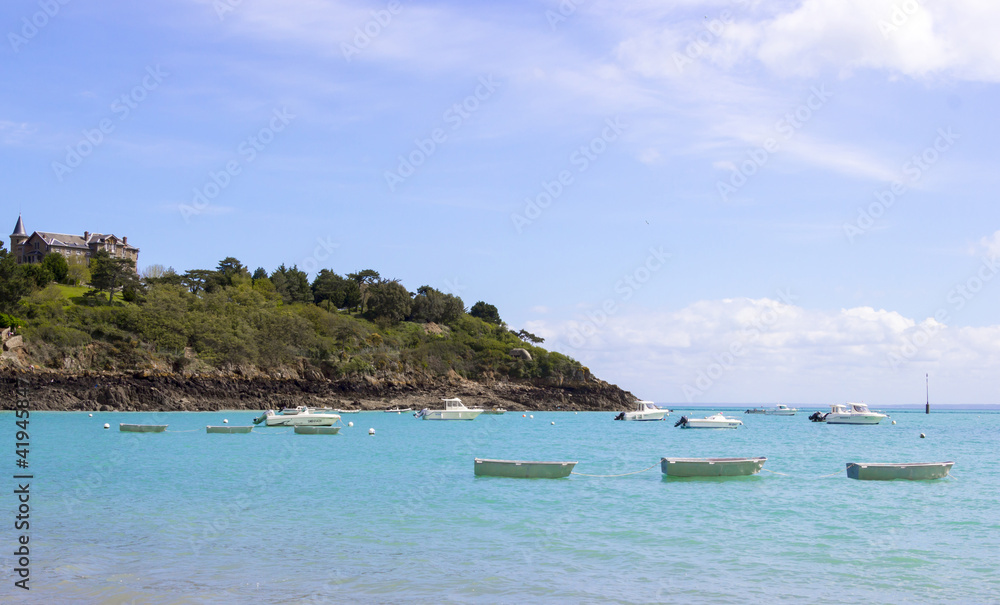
x=991, y=245
x=751, y=350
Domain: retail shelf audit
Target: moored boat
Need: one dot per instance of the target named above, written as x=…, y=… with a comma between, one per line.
x=495, y=411
x=522, y=469
x=781, y=410
x=317, y=430
x=228, y=429
x=715, y=421
x=306, y=418
x=711, y=467
x=887, y=471
x=454, y=409
x=852, y=413
x=141, y=428
x=644, y=410
x=398, y=410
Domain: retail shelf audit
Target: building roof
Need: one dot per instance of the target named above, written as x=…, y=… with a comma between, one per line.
x=19, y=227
x=77, y=241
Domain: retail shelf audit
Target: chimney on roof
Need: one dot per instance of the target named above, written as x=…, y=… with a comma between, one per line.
x=86, y=236
x=125, y=239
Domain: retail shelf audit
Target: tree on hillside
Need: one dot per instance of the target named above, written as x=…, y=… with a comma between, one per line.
x=153, y=272
x=388, y=301
x=364, y=279
x=259, y=273
x=14, y=284
x=432, y=305
x=486, y=312
x=56, y=264
x=340, y=292
x=230, y=269
x=37, y=274
x=200, y=280
x=110, y=275
x=529, y=337
x=78, y=272
x=292, y=284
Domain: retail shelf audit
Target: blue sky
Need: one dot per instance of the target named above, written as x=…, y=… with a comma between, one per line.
x=695, y=199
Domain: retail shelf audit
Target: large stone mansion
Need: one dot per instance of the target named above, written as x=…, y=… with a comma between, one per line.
x=33, y=248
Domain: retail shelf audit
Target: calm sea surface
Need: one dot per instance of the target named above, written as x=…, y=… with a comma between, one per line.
x=399, y=517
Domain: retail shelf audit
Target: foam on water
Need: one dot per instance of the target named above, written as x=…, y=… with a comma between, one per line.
x=275, y=517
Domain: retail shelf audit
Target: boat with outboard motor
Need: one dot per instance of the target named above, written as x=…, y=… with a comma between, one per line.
x=849, y=413
x=306, y=417
x=715, y=421
x=644, y=410
x=454, y=409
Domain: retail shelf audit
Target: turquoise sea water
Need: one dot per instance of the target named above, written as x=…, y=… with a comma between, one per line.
x=399, y=517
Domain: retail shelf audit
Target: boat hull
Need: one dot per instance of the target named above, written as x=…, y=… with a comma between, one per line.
x=451, y=414
x=645, y=416
x=141, y=428
x=317, y=430
x=303, y=420
x=710, y=424
x=884, y=471
x=228, y=429
x=853, y=418
x=523, y=469
x=711, y=467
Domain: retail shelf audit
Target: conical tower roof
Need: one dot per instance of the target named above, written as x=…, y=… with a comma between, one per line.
x=19, y=227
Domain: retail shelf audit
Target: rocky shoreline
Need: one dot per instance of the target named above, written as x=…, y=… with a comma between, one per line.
x=101, y=391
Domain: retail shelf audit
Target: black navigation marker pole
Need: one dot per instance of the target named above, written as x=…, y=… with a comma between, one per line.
x=927, y=408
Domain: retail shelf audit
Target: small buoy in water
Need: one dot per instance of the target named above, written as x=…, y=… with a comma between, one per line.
x=524, y=415
x=922, y=436
x=894, y=422
x=350, y=424
x=553, y=422
x=399, y=412
x=91, y=415
x=575, y=413
x=107, y=426
x=371, y=431
x=225, y=421
x=532, y=416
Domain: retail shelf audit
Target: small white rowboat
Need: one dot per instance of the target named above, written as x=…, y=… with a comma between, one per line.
x=711, y=467
x=316, y=430
x=228, y=429
x=886, y=471
x=141, y=428
x=523, y=469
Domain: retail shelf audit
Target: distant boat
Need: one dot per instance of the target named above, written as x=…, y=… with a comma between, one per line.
x=495, y=411
x=454, y=409
x=851, y=413
x=141, y=428
x=644, y=410
x=339, y=411
x=522, y=469
x=781, y=410
x=715, y=421
x=711, y=467
x=228, y=429
x=398, y=410
x=887, y=471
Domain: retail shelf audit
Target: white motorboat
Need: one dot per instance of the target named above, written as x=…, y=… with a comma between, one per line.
x=398, y=410
x=781, y=410
x=644, y=410
x=715, y=421
x=304, y=418
x=454, y=409
x=852, y=413
x=887, y=471
x=522, y=469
